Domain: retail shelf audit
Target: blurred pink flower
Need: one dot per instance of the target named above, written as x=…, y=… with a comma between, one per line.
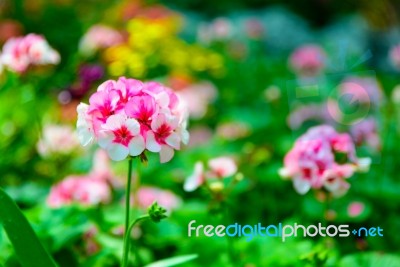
x=199, y=96
x=366, y=90
x=254, y=28
x=99, y=37
x=355, y=209
x=222, y=166
x=394, y=56
x=21, y=52
x=165, y=198
x=126, y=116
x=218, y=30
x=308, y=60
x=311, y=162
x=199, y=135
x=233, y=130
x=219, y=168
x=83, y=190
x=366, y=132
x=57, y=139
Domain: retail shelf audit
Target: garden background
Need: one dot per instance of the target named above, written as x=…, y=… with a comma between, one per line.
x=256, y=75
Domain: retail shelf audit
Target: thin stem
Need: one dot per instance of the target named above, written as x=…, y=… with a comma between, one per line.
x=137, y=184
x=128, y=232
x=125, y=254
x=141, y=218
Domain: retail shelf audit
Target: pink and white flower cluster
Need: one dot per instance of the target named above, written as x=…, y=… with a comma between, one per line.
x=219, y=168
x=308, y=60
x=126, y=117
x=83, y=190
x=21, y=52
x=88, y=189
x=312, y=162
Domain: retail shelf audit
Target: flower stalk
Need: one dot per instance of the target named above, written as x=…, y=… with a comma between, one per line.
x=125, y=255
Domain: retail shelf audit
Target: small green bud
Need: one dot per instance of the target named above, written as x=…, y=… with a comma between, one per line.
x=156, y=212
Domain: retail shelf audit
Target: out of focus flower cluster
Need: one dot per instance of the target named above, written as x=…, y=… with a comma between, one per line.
x=219, y=168
x=322, y=158
x=19, y=53
x=154, y=48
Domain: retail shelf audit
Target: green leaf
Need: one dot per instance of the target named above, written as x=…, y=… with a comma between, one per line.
x=173, y=261
x=27, y=246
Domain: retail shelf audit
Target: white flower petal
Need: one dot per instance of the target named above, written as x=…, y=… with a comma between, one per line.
x=117, y=152
x=114, y=122
x=174, y=140
x=151, y=143
x=194, y=180
x=184, y=136
x=363, y=164
x=85, y=136
x=133, y=126
x=162, y=99
x=301, y=186
x=166, y=153
x=105, y=139
x=158, y=121
x=136, y=146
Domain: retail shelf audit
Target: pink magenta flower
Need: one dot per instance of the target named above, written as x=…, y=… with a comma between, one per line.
x=21, y=52
x=83, y=190
x=219, y=168
x=99, y=37
x=307, y=60
x=127, y=116
x=165, y=198
x=311, y=162
x=355, y=208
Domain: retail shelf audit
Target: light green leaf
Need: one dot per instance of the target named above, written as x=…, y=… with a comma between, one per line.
x=27, y=246
x=173, y=261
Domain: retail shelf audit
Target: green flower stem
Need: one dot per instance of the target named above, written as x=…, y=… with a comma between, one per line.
x=141, y=218
x=128, y=232
x=125, y=254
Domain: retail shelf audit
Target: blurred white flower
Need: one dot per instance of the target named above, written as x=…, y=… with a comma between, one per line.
x=57, y=139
